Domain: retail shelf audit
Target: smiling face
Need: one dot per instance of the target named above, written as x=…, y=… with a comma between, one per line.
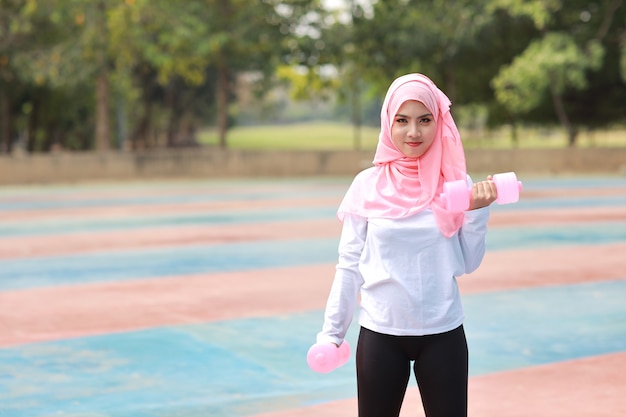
x=413, y=129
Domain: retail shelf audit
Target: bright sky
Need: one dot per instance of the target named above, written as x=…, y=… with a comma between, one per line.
x=333, y=4
x=345, y=4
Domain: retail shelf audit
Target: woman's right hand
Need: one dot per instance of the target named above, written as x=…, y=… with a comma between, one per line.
x=483, y=193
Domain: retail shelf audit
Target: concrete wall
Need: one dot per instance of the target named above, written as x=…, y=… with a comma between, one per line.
x=218, y=163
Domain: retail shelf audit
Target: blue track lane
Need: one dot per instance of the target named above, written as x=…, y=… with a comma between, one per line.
x=241, y=367
x=89, y=224
x=162, y=262
x=55, y=197
x=78, y=225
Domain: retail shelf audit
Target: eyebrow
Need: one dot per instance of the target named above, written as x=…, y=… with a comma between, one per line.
x=418, y=117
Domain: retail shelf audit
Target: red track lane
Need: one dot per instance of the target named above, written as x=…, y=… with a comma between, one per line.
x=572, y=192
x=124, y=211
x=586, y=387
x=43, y=314
x=557, y=216
x=146, y=188
x=547, y=267
x=31, y=246
x=49, y=245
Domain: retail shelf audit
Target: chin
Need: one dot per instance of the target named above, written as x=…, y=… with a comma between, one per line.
x=413, y=154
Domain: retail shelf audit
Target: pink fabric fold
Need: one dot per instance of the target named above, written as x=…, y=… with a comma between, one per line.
x=397, y=186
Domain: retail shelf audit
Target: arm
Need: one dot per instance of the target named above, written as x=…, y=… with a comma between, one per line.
x=472, y=238
x=344, y=293
x=474, y=230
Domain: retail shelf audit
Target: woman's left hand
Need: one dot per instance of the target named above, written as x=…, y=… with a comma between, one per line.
x=483, y=193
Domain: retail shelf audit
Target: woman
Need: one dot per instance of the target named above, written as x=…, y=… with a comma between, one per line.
x=401, y=251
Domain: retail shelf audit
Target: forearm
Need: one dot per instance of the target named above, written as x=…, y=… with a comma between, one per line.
x=340, y=307
x=472, y=237
x=344, y=293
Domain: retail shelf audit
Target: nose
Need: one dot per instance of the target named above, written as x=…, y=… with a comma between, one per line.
x=414, y=131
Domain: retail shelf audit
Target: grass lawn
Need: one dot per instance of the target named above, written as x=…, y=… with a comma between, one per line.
x=338, y=136
x=309, y=136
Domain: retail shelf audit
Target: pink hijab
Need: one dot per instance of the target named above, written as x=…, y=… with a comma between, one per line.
x=398, y=186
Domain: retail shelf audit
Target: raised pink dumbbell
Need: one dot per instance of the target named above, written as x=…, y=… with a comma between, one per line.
x=456, y=194
x=325, y=357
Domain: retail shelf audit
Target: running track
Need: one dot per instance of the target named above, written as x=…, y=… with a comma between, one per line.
x=200, y=299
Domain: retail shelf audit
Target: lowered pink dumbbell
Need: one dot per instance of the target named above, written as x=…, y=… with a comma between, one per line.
x=324, y=357
x=456, y=194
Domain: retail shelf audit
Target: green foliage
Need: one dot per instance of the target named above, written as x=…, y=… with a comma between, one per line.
x=552, y=60
x=417, y=36
x=308, y=83
x=567, y=71
x=541, y=12
x=157, y=57
x=162, y=64
x=168, y=35
x=43, y=75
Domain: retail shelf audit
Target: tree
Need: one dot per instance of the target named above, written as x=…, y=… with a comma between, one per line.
x=253, y=35
x=417, y=36
x=340, y=51
x=161, y=60
x=68, y=49
x=11, y=38
x=570, y=52
x=36, y=81
x=202, y=45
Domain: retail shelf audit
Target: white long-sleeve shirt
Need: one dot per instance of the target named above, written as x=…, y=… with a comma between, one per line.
x=405, y=273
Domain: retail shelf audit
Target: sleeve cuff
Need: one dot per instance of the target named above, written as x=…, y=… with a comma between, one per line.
x=323, y=338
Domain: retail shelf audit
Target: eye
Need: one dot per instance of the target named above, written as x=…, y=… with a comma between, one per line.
x=401, y=120
x=425, y=120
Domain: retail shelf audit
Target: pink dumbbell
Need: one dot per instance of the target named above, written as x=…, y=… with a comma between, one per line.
x=325, y=357
x=456, y=194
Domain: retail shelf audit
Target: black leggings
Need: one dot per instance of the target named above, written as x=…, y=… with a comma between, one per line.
x=383, y=365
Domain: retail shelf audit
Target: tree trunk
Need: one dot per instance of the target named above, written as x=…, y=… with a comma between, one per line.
x=450, y=82
x=33, y=124
x=561, y=114
x=222, y=104
x=103, y=133
x=6, y=141
x=172, y=124
x=121, y=124
x=514, y=134
x=103, y=127
x=357, y=119
x=572, y=135
x=139, y=138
